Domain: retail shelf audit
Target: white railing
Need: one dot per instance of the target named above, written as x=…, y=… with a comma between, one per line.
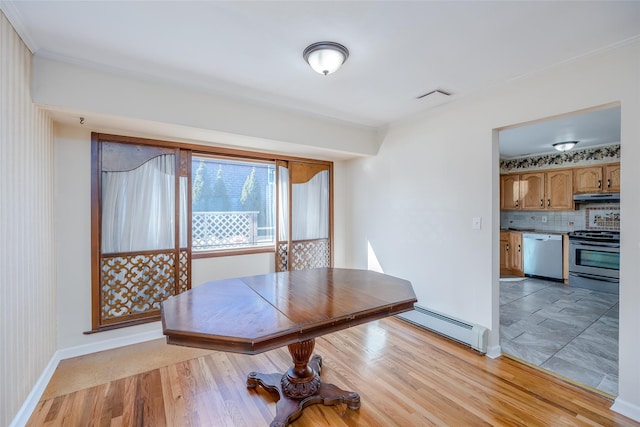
x=219, y=230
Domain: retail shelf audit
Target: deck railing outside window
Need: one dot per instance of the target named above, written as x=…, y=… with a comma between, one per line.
x=224, y=230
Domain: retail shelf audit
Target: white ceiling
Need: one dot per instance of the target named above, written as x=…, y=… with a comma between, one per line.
x=590, y=129
x=398, y=50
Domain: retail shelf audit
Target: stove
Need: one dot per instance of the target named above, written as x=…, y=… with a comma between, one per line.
x=594, y=260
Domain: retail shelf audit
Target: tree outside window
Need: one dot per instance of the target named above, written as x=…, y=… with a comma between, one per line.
x=233, y=204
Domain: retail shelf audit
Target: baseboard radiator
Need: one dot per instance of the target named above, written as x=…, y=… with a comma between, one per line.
x=475, y=336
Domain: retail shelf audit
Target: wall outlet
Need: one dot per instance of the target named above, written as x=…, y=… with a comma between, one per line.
x=544, y=219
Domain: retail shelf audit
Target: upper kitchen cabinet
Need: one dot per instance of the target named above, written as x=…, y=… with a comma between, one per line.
x=509, y=192
x=612, y=178
x=597, y=179
x=558, y=187
x=549, y=190
x=532, y=191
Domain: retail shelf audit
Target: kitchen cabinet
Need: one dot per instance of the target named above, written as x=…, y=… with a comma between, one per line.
x=548, y=190
x=597, y=179
x=511, y=253
x=509, y=192
x=612, y=178
x=559, y=190
x=532, y=191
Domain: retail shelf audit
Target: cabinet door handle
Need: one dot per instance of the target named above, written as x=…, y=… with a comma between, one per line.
x=599, y=183
x=519, y=248
x=548, y=202
x=516, y=203
x=507, y=247
x=541, y=203
x=608, y=183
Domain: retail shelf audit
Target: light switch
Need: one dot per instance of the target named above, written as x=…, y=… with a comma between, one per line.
x=476, y=223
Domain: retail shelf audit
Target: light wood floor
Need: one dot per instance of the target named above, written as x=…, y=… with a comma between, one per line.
x=405, y=376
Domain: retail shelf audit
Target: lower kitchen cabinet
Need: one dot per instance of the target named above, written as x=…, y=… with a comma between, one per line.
x=511, y=253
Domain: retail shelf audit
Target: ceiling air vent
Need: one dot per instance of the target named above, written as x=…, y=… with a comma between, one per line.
x=435, y=94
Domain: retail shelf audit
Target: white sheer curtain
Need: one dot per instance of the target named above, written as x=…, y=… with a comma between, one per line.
x=310, y=208
x=138, y=207
x=283, y=203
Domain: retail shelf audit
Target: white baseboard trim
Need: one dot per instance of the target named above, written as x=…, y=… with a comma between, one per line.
x=34, y=396
x=627, y=409
x=81, y=350
x=494, y=351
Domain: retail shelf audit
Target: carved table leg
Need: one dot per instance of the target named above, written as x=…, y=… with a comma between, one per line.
x=300, y=386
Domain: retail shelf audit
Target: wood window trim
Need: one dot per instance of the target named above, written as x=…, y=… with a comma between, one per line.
x=192, y=149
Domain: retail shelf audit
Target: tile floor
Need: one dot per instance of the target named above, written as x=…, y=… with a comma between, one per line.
x=570, y=331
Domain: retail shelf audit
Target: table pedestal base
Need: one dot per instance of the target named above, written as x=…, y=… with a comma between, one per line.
x=300, y=387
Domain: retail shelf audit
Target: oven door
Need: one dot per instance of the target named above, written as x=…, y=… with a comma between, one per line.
x=594, y=258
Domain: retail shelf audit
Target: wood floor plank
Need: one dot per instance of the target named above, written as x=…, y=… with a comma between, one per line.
x=405, y=376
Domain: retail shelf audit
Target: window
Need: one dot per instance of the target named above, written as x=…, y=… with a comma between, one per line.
x=233, y=204
x=304, y=216
x=139, y=231
x=158, y=204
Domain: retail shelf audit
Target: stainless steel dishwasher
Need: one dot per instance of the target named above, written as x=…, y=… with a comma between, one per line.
x=542, y=255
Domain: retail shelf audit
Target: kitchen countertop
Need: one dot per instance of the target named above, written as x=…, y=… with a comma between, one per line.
x=529, y=230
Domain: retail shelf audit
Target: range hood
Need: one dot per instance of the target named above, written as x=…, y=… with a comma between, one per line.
x=597, y=198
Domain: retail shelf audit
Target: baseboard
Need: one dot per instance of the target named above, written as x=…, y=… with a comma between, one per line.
x=627, y=409
x=33, y=398
x=81, y=350
x=494, y=351
x=38, y=389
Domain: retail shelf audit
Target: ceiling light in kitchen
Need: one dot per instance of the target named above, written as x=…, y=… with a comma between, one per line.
x=565, y=145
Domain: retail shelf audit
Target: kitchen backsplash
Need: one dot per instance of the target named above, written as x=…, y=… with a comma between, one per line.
x=588, y=156
x=603, y=218
x=588, y=217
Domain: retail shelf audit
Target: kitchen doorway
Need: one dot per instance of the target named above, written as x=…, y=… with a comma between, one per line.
x=554, y=323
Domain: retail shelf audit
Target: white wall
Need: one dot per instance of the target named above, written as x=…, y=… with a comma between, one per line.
x=414, y=202
x=69, y=87
x=27, y=284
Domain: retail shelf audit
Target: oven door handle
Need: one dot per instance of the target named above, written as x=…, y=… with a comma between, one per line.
x=599, y=244
x=590, y=276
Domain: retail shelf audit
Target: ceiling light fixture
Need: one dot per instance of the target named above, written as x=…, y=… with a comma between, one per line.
x=325, y=57
x=564, y=146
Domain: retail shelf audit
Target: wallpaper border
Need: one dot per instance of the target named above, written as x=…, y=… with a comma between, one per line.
x=587, y=156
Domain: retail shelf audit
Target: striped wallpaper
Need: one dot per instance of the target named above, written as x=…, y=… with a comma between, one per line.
x=27, y=271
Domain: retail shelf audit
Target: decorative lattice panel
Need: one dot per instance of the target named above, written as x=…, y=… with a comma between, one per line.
x=184, y=282
x=310, y=254
x=282, y=257
x=136, y=284
x=213, y=230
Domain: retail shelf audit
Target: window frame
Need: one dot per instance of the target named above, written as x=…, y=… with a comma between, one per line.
x=198, y=150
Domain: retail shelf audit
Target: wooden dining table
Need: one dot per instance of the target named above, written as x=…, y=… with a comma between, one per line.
x=255, y=314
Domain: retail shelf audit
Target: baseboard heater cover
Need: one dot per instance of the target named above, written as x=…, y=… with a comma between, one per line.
x=475, y=336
